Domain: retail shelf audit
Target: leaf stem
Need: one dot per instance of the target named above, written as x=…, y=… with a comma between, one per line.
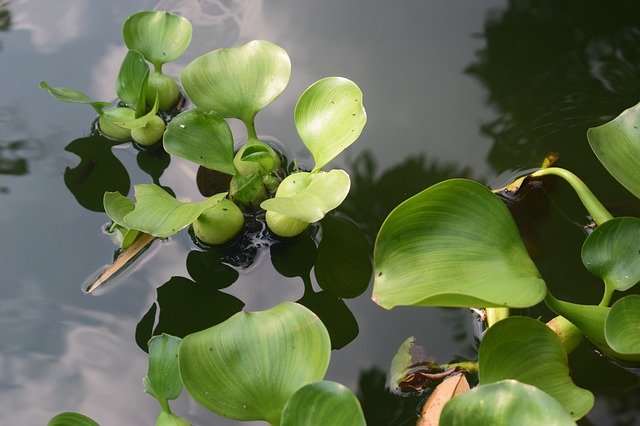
x=609, y=289
x=496, y=314
x=597, y=211
x=470, y=366
x=251, y=129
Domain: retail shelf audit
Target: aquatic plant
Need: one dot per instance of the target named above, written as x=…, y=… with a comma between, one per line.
x=455, y=244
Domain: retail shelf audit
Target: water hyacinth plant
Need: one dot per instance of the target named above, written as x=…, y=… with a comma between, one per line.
x=456, y=244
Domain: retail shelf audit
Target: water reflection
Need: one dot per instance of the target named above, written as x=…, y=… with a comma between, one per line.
x=552, y=70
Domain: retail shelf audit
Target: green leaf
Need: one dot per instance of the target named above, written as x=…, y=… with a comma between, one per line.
x=505, y=403
x=247, y=191
x=160, y=36
x=403, y=360
x=237, y=82
x=526, y=350
x=612, y=252
x=140, y=122
x=163, y=378
x=622, y=326
x=247, y=367
x=169, y=419
x=201, y=137
x=71, y=419
x=66, y=94
x=343, y=267
x=616, y=145
x=323, y=403
x=308, y=197
x=155, y=212
x=132, y=78
x=329, y=117
x=453, y=244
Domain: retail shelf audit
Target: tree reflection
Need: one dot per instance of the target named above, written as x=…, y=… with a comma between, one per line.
x=553, y=69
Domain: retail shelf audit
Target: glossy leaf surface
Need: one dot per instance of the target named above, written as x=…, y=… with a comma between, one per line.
x=505, y=403
x=323, y=403
x=155, y=212
x=622, y=326
x=132, y=77
x=329, y=116
x=237, y=82
x=160, y=36
x=163, y=378
x=71, y=419
x=453, y=244
x=616, y=145
x=201, y=137
x=611, y=252
x=66, y=94
x=319, y=194
x=247, y=367
x=526, y=350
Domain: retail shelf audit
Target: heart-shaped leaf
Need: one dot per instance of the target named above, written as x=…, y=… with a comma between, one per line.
x=237, y=82
x=507, y=402
x=323, y=403
x=248, y=367
x=453, y=244
x=131, y=82
x=308, y=197
x=616, y=145
x=66, y=94
x=155, y=212
x=612, y=252
x=71, y=419
x=526, y=350
x=163, y=378
x=201, y=137
x=622, y=326
x=160, y=36
x=329, y=117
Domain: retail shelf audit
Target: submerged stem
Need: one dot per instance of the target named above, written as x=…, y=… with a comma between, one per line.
x=597, y=211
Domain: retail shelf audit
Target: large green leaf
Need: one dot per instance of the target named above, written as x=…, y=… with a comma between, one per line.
x=237, y=82
x=155, y=212
x=163, y=378
x=453, y=244
x=622, y=326
x=201, y=137
x=616, y=145
x=247, y=367
x=66, y=94
x=611, y=252
x=526, y=350
x=71, y=419
x=329, y=117
x=307, y=197
x=130, y=85
x=505, y=403
x=323, y=403
x=160, y=36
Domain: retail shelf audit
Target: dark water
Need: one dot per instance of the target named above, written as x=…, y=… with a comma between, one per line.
x=475, y=89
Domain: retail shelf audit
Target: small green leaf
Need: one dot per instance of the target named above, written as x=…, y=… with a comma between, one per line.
x=505, y=403
x=155, y=212
x=163, y=378
x=329, y=117
x=343, y=267
x=71, y=419
x=323, y=403
x=248, y=367
x=139, y=122
x=203, y=138
x=622, y=326
x=169, y=419
x=132, y=78
x=247, y=191
x=616, y=145
x=66, y=94
x=160, y=36
x=237, y=82
x=526, y=350
x=308, y=197
x=454, y=244
x=403, y=360
x=612, y=252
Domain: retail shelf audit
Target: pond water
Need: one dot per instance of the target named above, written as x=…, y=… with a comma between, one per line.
x=473, y=89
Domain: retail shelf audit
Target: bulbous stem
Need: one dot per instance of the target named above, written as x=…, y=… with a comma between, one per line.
x=591, y=203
